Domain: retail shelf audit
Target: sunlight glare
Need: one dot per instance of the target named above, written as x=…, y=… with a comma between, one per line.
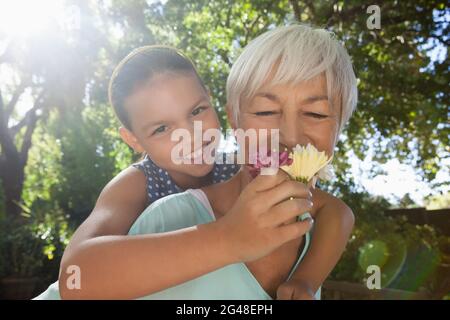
x=28, y=17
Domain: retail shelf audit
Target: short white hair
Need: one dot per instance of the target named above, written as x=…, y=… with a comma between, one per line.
x=300, y=53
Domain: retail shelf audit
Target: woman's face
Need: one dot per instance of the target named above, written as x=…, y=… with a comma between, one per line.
x=301, y=112
x=166, y=103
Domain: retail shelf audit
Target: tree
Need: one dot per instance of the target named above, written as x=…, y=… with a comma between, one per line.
x=50, y=71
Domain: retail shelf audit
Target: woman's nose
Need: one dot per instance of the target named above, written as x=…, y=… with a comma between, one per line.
x=291, y=132
x=288, y=131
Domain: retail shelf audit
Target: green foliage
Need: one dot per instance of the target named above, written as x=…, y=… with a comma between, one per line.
x=43, y=168
x=33, y=247
x=72, y=159
x=438, y=201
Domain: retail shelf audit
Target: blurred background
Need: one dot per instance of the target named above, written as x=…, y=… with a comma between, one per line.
x=59, y=143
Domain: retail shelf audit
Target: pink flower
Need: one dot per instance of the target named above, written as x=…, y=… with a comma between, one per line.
x=266, y=161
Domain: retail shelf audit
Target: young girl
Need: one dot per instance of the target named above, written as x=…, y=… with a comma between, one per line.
x=154, y=91
x=116, y=266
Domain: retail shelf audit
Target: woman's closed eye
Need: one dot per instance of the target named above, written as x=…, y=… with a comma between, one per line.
x=273, y=112
x=316, y=115
x=266, y=113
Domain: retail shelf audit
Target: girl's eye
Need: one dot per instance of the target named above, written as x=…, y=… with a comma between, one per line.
x=316, y=115
x=160, y=129
x=265, y=113
x=198, y=110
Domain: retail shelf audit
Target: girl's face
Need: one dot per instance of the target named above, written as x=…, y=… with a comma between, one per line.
x=165, y=103
x=302, y=113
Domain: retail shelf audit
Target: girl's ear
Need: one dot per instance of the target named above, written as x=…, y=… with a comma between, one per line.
x=208, y=92
x=130, y=139
x=230, y=116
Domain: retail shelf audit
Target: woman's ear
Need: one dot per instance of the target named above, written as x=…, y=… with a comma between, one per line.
x=130, y=139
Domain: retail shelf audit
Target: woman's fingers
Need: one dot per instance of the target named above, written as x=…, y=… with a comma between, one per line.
x=294, y=230
x=285, y=211
x=286, y=190
x=266, y=182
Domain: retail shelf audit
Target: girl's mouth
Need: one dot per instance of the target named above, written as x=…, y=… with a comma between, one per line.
x=197, y=155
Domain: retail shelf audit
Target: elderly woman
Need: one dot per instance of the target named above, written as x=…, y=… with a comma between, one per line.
x=253, y=238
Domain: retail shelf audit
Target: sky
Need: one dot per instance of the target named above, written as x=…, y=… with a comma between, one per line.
x=398, y=180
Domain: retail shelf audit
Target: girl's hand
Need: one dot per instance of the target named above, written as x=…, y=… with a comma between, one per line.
x=295, y=289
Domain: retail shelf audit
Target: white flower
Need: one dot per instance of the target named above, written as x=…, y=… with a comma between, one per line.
x=307, y=162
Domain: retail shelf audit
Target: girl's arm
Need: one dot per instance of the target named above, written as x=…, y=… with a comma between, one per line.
x=333, y=225
x=125, y=267
x=105, y=253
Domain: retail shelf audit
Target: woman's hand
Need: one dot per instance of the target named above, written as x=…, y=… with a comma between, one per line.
x=295, y=289
x=256, y=224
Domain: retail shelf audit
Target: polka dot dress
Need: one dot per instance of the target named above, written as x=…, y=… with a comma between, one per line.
x=160, y=184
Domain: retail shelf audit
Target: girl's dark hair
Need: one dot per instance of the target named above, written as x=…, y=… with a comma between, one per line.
x=138, y=67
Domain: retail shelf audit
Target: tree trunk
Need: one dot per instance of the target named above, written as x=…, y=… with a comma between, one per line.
x=12, y=177
x=13, y=159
